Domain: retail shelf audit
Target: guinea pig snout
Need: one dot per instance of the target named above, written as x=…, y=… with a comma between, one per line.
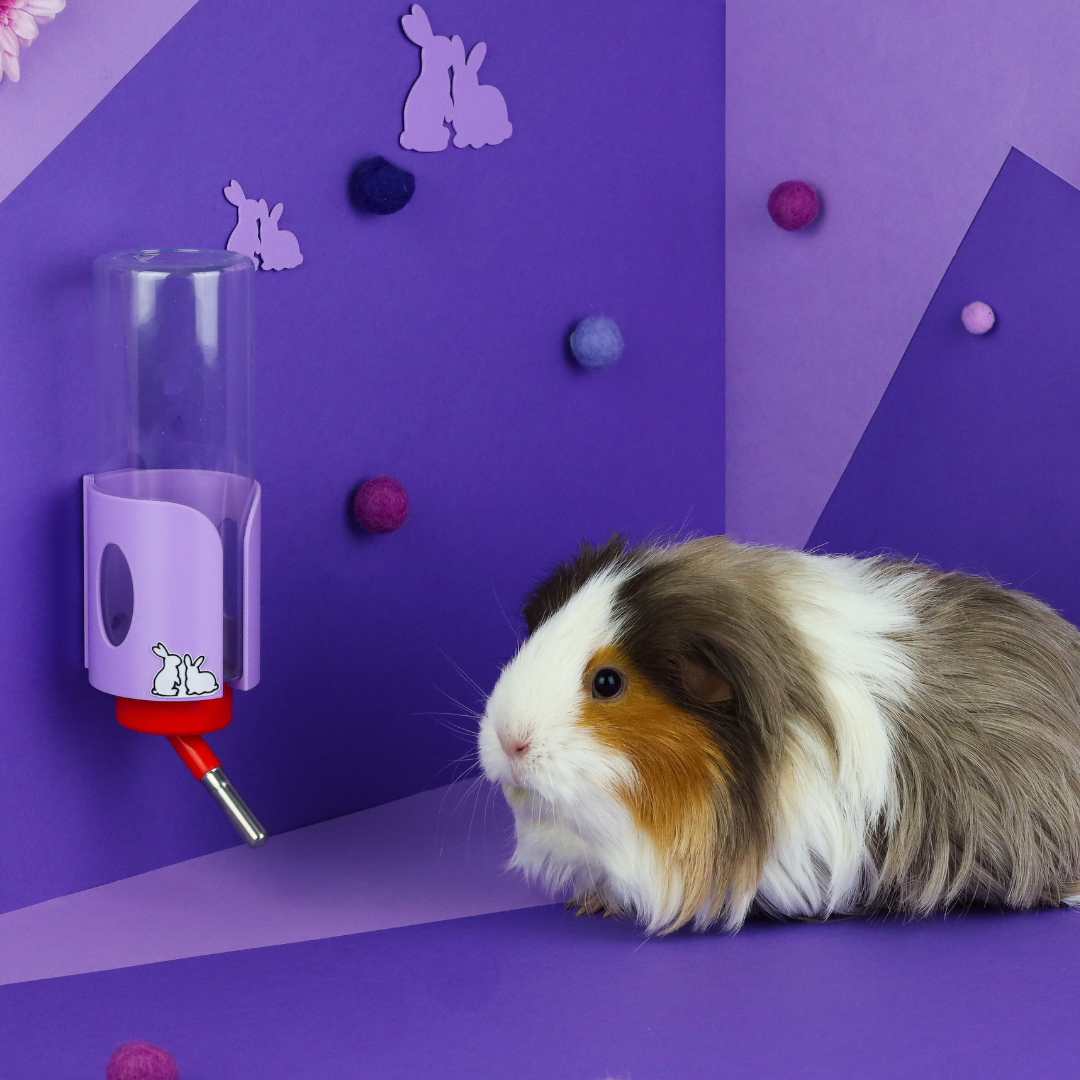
x=515, y=746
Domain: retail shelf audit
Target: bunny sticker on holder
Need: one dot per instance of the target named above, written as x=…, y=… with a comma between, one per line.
x=180, y=676
x=257, y=235
x=169, y=680
x=197, y=681
x=478, y=113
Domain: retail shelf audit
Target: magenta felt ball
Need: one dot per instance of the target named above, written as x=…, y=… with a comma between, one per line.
x=381, y=505
x=978, y=317
x=141, y=1061
x=793, y=205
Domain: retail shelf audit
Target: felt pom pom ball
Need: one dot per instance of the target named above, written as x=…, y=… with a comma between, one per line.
x=141, y=1061
x=978, y=317
x=381, y=505
x=596, y=342
x=379, y=187
x=793, y=205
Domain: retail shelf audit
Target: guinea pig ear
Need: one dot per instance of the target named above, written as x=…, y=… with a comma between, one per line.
x=703, y=684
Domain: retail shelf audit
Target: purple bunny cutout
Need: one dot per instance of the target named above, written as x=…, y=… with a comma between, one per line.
x=244, y=239
x=477, y=112
x=429, y=104
x=480, y=117
x=279, y=248
x=257, y=234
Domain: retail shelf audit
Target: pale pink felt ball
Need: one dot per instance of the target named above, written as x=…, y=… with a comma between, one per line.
x=978, y=317
x=141, y=1061
x=381, y=505
x=793, y=205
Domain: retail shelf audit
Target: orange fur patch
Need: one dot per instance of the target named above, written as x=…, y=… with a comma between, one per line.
x=679, y=769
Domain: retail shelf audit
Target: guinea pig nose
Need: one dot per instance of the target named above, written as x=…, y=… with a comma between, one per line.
x=513, y=748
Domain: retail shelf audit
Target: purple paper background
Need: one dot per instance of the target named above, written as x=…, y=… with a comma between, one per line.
x=972, y=460
x=902, y=115
x=429, y=345
x=540, y=994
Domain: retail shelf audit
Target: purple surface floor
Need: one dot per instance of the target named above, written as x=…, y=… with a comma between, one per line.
x=437, y=855
x=541, y=995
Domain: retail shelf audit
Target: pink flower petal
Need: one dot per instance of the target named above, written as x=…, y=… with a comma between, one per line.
x=10, y=64
x=24, y=25
x=9, y=43
x=43, y=10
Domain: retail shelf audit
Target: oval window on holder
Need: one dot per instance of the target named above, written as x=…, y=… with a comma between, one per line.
x=117, y=594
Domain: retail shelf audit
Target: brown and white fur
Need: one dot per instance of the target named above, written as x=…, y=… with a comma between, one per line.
x=809, y=735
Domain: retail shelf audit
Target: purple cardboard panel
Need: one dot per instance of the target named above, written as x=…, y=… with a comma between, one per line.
x=428, y=345
x=70, y=69
x=541, y=994
x=971, y=460
x=900, y=115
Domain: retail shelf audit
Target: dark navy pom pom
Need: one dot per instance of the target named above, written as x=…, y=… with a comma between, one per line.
x=379, y=187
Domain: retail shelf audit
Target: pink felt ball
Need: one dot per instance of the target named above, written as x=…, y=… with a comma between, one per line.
x=793, y=205
x=141, y=1061
x=978, y=317
x=381, y=505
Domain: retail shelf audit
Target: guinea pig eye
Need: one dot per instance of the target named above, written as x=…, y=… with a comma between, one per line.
x=608, y=683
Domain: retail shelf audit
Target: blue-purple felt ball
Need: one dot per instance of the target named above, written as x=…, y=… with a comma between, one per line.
x=596, y=342
x=378, y=187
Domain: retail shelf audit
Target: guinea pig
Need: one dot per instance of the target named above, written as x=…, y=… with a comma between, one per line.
x=697, y=730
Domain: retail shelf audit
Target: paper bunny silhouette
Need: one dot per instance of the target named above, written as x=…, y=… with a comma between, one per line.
x=168, y=680
x=429, y=103
x=479, y=111
x=196, y=681
x=279, y=248
x=244, y=239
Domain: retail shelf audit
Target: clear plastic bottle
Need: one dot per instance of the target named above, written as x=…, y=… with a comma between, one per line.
x=172, y=408
x=172, y=511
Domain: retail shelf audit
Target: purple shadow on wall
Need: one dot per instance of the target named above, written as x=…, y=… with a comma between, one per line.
x=972, y=460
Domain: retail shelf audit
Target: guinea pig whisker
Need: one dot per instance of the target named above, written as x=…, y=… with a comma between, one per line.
x=444, y=720
x=515, y=630
x=461, y=671
x=470, y=772
x=475, y=713
x=471, y=793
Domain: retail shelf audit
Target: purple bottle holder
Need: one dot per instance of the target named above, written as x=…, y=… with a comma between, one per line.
x=172, y=515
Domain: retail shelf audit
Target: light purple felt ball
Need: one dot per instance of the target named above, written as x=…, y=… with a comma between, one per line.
x=596, y=342
x=978, y=317
x=793, y=205
x=141, y=1061
x=381, y=505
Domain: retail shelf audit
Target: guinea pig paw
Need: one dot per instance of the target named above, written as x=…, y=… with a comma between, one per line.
x=590, y=904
